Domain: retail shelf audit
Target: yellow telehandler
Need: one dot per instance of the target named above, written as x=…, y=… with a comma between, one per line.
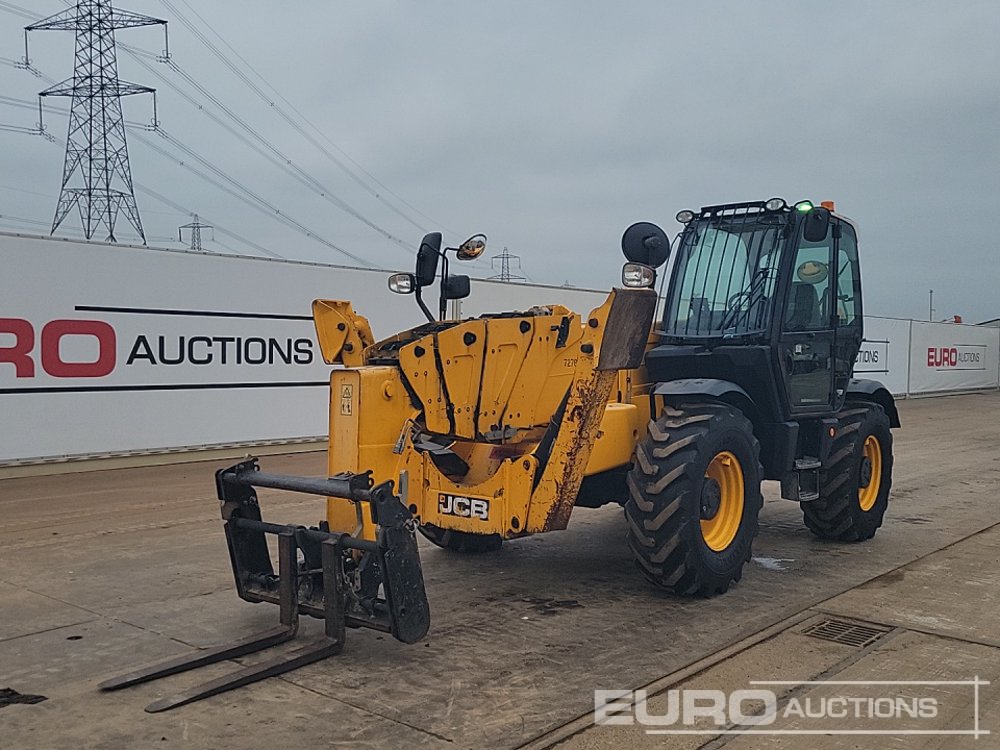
x=493, y=428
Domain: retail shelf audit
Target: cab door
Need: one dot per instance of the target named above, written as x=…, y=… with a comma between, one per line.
x=847, y=308
x=807, y=335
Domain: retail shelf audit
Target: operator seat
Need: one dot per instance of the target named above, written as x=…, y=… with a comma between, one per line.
x=803, y=308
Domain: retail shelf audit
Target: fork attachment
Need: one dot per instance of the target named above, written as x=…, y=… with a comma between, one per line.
x=342, y=579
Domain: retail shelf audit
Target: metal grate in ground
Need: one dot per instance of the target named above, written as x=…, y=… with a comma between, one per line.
x=844, y=632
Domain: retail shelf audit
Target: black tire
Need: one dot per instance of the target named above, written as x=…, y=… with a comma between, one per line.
x=838, y=513
x=461, y=541
x=666, y=486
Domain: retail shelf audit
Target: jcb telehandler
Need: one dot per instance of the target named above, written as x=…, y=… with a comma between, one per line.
x=488, y=429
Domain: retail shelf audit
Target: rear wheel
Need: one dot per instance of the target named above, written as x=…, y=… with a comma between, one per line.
x=694, y=497
x=856, y=478
x=461, y=541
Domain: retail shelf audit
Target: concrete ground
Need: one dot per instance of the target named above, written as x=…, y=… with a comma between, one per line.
x=107, y=571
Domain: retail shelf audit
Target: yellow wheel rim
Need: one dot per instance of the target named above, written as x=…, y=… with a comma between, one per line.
x=720, y=529
x=873, y=456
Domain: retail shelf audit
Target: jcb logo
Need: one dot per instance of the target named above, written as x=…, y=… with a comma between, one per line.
x=464, y=507
x=18, y=352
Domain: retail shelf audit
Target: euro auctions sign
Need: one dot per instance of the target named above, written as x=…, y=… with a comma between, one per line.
x=950, y=357
x=962, y=357
x=111, y=349
x=155, y=349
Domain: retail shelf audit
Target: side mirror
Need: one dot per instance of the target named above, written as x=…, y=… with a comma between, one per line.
x=427, y=259
x=402, y=283
x=456, y=287
x=816, y=224
x=647, y=244
x=472, y=248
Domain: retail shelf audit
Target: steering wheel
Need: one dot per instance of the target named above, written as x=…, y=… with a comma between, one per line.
x=733, y=301
x=734, y=306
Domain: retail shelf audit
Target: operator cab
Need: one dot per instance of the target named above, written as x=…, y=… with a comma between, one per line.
x=764, y=288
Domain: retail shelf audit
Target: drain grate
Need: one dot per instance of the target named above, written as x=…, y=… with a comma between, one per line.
x=847, y=633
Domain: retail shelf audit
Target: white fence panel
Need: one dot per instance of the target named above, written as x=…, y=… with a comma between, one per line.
x=111, y=349
x=949, y=357
x=884, y=354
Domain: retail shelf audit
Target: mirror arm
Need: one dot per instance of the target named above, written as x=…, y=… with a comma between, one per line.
x=420, y=301
x=442, y=300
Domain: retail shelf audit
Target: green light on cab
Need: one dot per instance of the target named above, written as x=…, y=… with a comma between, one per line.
x=804, y=206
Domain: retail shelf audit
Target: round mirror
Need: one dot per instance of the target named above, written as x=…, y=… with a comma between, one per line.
x=646, y=243
x=472, y=248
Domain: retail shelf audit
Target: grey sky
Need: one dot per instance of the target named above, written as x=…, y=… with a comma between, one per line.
x=551, y=126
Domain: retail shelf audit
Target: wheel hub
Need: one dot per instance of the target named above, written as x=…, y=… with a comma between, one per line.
x=866, y=472
x=711, y=499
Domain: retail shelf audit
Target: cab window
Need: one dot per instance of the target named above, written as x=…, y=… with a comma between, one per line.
x=848, y=277
x=808, y=307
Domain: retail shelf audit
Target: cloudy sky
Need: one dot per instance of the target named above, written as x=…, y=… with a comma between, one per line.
x=551, y=126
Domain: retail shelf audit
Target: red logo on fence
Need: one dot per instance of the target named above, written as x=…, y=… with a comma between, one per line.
x=51, y=359
x=962, y=357
x=942, y=356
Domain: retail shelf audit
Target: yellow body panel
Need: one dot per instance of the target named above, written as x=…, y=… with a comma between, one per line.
x=369, y=410
x=505, y=490
x=460, y=350
x=546, y=371
x=343, y=334
x=419, y=364
x=488, y=426
x=616, y=438
x=506, y=344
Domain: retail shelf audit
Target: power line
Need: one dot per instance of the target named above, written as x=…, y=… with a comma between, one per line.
x=17, y=10
x=249, y=243
x=238, y=191
x=267, y=150
x=7, y=218
x=278, y=156
x=316, y=184
x=12, y=101
x=295, y=124
x=184, y=211
x=241, y=192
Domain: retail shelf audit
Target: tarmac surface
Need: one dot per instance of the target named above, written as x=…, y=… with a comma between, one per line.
x=107, y=571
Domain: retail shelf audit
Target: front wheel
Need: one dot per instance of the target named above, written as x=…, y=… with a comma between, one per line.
x=694, y=498
x=856, y=478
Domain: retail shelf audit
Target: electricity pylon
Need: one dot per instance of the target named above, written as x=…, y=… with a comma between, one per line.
x=97, y=178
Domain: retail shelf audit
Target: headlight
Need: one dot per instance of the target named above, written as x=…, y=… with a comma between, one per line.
x=804, y=206
x=638, y=276
x=401, y=283
x=776, y=204
x=684, y=216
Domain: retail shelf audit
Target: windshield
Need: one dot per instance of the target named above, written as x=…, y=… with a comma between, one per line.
x=724, y=278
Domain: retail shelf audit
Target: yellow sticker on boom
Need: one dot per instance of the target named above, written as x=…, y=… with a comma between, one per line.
x=347, y=400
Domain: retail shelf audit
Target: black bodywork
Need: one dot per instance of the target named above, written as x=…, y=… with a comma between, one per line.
x=780, y=349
